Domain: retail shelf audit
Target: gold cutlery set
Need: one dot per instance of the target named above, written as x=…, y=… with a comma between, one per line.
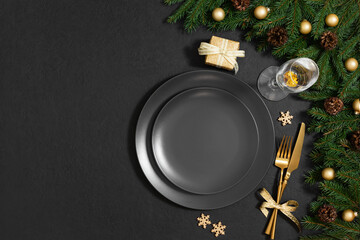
x=285, y=159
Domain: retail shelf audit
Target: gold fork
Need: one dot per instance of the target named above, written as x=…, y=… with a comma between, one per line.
x=282, y=162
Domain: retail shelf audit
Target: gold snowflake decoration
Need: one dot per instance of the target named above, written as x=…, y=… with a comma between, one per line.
x=285, y=118
x=218, y=229
x=203, y=220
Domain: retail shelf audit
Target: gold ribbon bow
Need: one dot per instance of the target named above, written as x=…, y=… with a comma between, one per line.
x=209, y=49
x=285, y=208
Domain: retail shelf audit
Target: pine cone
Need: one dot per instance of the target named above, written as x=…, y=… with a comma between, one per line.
x=327, y=213
x=241, y=5
x=333, y=105
x=329, y=40
x=355, y=139
x=277, y=36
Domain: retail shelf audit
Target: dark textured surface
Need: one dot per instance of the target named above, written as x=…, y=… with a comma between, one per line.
x=74, y=76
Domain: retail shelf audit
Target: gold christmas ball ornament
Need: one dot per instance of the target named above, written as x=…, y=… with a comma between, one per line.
x=218, y=14
x=349, y=215
x=351, y=64
x=356, y=106
x=305, y=27
x=261, y=12
x=331, y=20
x=328, y=174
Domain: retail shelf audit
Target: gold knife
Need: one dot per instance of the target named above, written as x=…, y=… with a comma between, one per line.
x=293, y=165
x=295, y=157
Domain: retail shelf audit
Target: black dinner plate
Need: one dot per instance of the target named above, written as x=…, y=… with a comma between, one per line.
x=205, y=140
x=207, y=79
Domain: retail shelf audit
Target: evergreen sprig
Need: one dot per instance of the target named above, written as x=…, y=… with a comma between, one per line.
x=332, y=148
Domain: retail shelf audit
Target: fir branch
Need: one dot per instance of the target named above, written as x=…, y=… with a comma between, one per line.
x=307, y=11
x=323, y=64
x=281, y=5
x=345, y=176
x=348, y=83
x=310, y=52
x=180, y=13
x=319, y=20
x=337, y=193
x=191, y=21
x=316, y=95
x=311, y=223
x=343, y=15
x=294, y=16
x=318, y=113
x=349, y=226
x=287, y=45
x=172, y=2
x=323, y=236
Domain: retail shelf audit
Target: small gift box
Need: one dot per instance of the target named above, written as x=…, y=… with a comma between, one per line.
x=221, y=53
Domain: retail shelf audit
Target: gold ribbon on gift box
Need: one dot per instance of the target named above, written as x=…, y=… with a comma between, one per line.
x=285, y=208
x=223, y=53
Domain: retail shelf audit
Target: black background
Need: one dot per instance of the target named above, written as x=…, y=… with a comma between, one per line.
x=74, y=76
